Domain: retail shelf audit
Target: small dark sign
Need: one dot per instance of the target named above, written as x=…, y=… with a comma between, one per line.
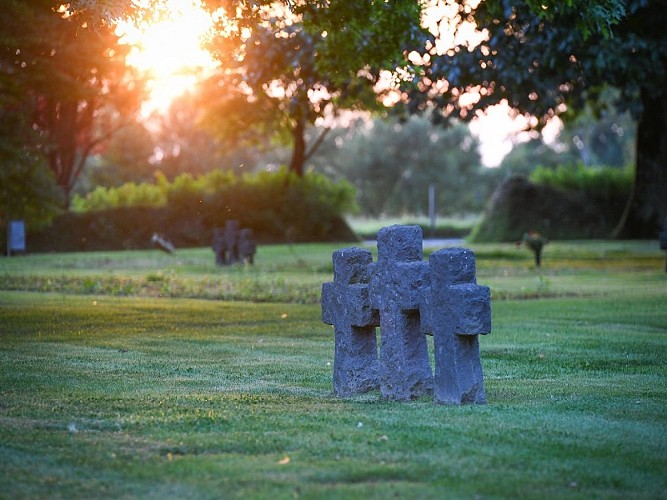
x=15, y=237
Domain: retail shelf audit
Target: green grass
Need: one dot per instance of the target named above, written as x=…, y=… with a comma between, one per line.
x=147, y=397
x=103, y=395
x=295, y=273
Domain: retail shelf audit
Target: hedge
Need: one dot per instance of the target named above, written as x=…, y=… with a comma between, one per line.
x=279, y=207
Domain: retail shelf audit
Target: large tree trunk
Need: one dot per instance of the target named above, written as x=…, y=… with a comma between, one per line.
x=647, y=206
x=299, y=150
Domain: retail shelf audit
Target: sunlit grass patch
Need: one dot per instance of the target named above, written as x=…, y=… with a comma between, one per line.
x=295, y=273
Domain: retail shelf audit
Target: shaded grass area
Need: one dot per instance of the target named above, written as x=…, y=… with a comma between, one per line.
x=141, y=397
x=295, y=273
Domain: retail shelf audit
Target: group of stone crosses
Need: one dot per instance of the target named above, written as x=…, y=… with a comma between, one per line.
x=407, y=298
x=232, y=244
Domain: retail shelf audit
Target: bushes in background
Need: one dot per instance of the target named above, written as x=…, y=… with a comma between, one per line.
x=277, y=206
x=573, y=202
x=597, y=184
x=186, y=190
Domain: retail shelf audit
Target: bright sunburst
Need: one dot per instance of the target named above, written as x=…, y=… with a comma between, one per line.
x=169, y=48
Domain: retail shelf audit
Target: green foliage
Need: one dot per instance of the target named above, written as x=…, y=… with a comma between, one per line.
x=271, y=202
x=127, y=195
x=185, y=145
x=527, y=156
x=391, y=164
x=553, y=58
x=445, y=227
x=286, y=74
x=126, y=157
x=571, y=203
x=282, y=188
x=591, y=18
x=68, y=82
x=597, y=183
x=28, y=190
x=601, y=134
x=536, y=59
x=278, y=206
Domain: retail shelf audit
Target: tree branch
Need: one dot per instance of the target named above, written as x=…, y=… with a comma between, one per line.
x=315, y=146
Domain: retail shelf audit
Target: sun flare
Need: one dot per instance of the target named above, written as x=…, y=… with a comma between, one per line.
x=169, y=49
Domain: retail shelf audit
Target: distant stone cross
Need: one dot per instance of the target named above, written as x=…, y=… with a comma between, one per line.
x=407, y=297
x=225, y=243
x=233, y=244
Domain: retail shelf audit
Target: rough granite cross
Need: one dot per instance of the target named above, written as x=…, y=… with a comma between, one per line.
x=346, y=306
x=459, y=311
x=398, y=280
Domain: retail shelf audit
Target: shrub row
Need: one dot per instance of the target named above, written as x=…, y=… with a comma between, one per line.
x=564, y=203
x=279, y=207
x=212, y=186
x=597, y=184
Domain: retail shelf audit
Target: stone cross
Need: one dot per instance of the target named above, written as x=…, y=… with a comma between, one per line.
x=232, y=245
x=459, y=311
x=396, y=290
x=407, y=297
x=345, y=305
x=247, y=246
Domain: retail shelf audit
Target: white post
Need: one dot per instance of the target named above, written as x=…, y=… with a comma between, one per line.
x=431, y=206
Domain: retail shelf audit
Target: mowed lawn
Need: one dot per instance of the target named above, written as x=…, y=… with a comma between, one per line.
x=105, y=393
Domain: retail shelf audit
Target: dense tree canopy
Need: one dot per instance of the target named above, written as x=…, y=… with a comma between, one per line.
x=27, y=188
x=67, y=81
x=294, y=66
x=545, y=61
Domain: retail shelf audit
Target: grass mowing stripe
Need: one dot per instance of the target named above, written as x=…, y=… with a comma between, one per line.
x=295, y=273
x=145, y=397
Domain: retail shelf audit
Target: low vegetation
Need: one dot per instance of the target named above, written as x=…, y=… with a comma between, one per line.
x=295, y=273
x=277, y=206
x=568, y=202
x=595, y=182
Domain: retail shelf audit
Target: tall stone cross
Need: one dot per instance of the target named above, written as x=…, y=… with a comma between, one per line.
x=346, y=306
x=459, y=310
x=398, y=281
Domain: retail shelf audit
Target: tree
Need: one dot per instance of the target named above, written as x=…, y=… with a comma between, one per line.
x=392, y=163
x=184, y=145
x=67, y=79
x=602, y=136
x=549, y=58
x=288, y=69
x=27, y=188
x=527, y=156
x=126, y=158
